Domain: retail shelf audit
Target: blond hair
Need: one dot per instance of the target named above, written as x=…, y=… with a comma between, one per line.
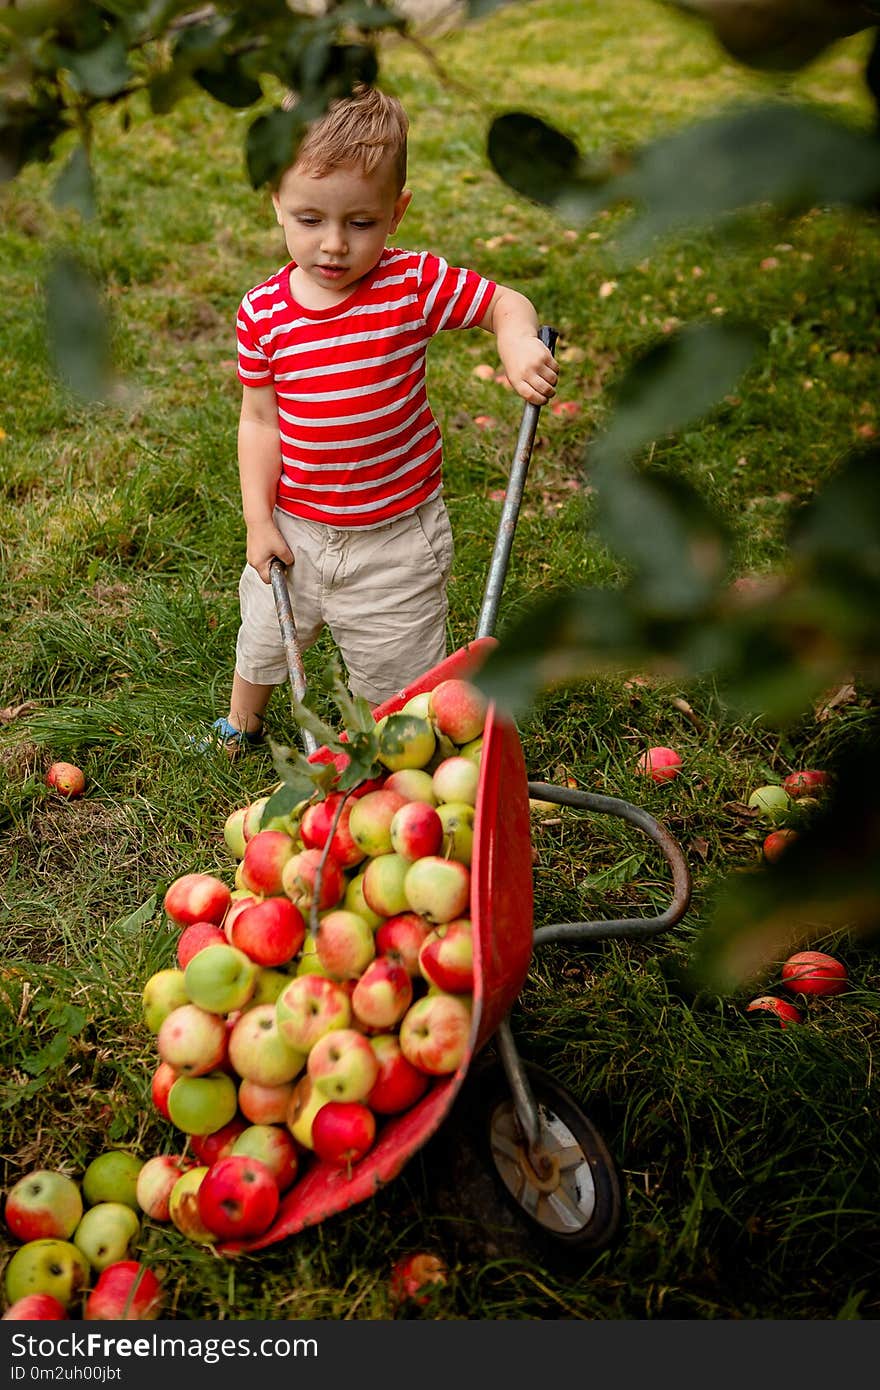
x=363, y=129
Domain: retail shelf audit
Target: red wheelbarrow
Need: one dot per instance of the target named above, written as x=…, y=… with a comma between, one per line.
x=549, y=1157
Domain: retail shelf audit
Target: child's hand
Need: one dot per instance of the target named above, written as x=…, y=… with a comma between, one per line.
x=263, y=542
x=530, y=367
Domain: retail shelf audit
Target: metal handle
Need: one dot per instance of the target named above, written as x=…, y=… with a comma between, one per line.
x=292, y=652
x=516, y=484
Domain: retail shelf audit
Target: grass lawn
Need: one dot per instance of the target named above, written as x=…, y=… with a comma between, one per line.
x=748, y=1154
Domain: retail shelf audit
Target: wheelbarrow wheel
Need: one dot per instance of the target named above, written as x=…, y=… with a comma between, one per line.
x=574, y=1199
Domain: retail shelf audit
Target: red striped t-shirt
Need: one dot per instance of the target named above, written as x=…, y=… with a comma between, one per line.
x=359, y=442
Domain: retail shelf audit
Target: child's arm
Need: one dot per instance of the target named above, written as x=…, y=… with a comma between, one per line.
x=259, y=468
x=530, y=366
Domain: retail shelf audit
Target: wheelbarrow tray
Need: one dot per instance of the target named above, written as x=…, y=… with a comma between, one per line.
x=502, y=924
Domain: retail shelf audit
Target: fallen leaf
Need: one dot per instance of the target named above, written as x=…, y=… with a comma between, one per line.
x=13, y=712
x=607, y=288
x=484, y=371
x=836, y=699
x=699, y=846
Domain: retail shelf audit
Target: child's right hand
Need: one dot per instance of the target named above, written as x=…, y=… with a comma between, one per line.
x=263, y=543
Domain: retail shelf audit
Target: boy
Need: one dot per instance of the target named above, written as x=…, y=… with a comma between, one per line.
x=339, y=453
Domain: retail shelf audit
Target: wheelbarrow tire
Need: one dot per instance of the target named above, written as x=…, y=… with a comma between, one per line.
x=584, y=1212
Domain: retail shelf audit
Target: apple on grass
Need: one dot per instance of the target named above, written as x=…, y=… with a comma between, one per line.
x=233, y=832
x=438, y=889
x=195, y=938
x=344, y=944
x=398, y=1084
x=435, y=1033
x=416, y=1277
x=814, y=973
x=164, y=990
x=264, y=1105
x=383, y=994
x=806, y=782
x=238, y=1197
x=309, y=1007
x=192, y=1041
x=771, y=802
x=105, y=1233
x=221, y=979
x=402, y=937
x=202, y=1104
x=112, y=1177
x=274, y=1146
x=270, y=932
x=125, y=1292
x=660, y=764
x=54, y=1267
x=197, y=897
x=458, y=710
x=776, y=843
x=36, y=1307
x=259, y=1052
x=343, y=1132
x=155, y=1181
x=342, y=1065
x=45, y=1205
x=66, y=778
x=780, y=1009
x=447, y=957
x=183, y=1206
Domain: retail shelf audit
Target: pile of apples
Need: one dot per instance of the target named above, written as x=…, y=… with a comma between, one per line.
x=332, y=986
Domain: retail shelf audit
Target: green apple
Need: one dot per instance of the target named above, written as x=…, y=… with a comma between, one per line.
x=183, y=1206
x=112, y=1177
x=354, y=900
x=54, y=1267
x=105, y=1233
x=233, y=832
x=164, y=991
x=221, y=979
x=457, y=819
x=269, y=985
x=202, y=1104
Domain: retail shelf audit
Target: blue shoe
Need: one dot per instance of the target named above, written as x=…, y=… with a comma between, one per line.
x=224, y=735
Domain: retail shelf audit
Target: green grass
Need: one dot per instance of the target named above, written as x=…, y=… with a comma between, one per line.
x=748, y=1154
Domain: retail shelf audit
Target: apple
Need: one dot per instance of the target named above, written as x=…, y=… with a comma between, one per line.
x=264, y=1105
x=195, y=938
x=259, y=1052
x=565, y=408
x=805, y=782
x=355, y=901
x=776, y=843
x=344, y=944
x=401, y=937
x=660, y=764
x=446, y=958
x=814, y=972
x=370, y=820
x=445, y=749
x=473, y=750
x=233, y=832
x=398, y=1084
x=434, y=1033
x=221, y=979
x=192, y=1040
x=416, y=830
x=412, y=783
x=457, y=820
x=55, y=1267
x=309, y=962
x=238, y=1197
x=383, y=994
x=270, y=932
x=309, y=1007
x=406, y=740
x=317, y=824
x=437, y=889
x=196, y=897
x=300, y=875
x=305, y=1103
x=202, y=1104
x=112, y=1177
x=456, y=779
x=342, y=1065
x=66, y=778
x=125, y=1292
x=343, y=1132
x=241, y=899
x=155, y=1181
x=183, y=1206
x=35, y=1307
x=269, y=985
x=163, y=992
x=458, y=710
x=415, y=1278
x=262, y=864
x=383, y=883
x=771, y=802
x=105, y=1233
x=43, y=1205
x=274, y=1146
x=781, y=1009
x=209, y=1147
x=251, y=821
x=162, y=1080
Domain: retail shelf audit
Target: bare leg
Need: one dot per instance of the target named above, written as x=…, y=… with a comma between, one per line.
x=247, y=704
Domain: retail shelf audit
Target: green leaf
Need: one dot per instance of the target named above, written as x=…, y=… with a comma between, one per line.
x=99, y=72
x=288, y=796
x=674, y=383
x=304, y=778
x=133, y=924
x=778, y=37
x=271, y=145
x=532, y=156
x=75, y=186
x=77, y=327
x=229, y=84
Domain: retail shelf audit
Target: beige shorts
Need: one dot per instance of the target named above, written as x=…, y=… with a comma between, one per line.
x=381, y=592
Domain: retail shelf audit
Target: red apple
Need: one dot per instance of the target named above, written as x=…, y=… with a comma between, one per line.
x=192, y=1040
x=163, y=1079
x=447, y=957
x=274, y=1146
x=785, y=1012
x=343, y=1131
x=814, y=972
x=67, y=779
x=317, y=823
x=415, y=1277
x=43, y=1205
x=264, y=1105
x=197, y=898
x=195, y=938
x=399, y=1084
x=434, y=1033
x=661, y=764
x=344, y=944
x=458, y=710
x=806, y=782
x=209, y=1147
x=416, y=830
x=270, y=932
x=36, y=1307
x=238, y=1197
x=564, y=408
x=125, y=1291
x=776, y=843
x=402, y=937
x=343, y=1065
x=241, y=899
x=155, y=1182
x=263, y=861
x=300, y=875
x=383, y=994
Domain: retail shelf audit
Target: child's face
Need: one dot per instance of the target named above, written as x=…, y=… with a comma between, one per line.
x=336, y=227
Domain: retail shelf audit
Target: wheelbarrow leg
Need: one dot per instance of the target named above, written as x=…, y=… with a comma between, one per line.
x=523, y=1099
